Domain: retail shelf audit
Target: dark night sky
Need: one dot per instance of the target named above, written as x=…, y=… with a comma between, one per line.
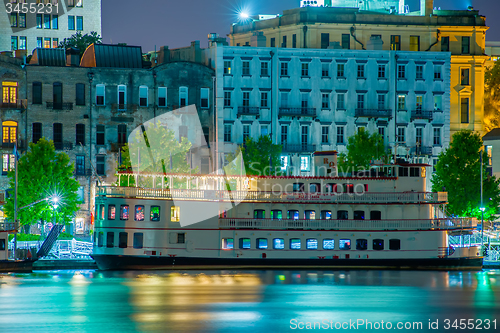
x=178, y=22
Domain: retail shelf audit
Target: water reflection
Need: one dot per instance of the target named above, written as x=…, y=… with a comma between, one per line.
x=213, y=301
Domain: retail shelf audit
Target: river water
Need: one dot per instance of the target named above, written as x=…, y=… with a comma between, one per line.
x=250, y=301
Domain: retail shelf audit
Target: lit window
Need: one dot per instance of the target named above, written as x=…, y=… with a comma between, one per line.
x=227, y=67
x=175, y=212
x=111, y=212
x=278, y=243
x=8, y=163
x=139, y=213
x=284, y=162
x=245, y=243
x=295, y=244
x=101, y=212
x=312, y=244
x=262, y=243
x=328, y=244
x=124, y=212
x=155, y=213
x=310, y=215
x=345, y=244
x=9, y=133
x=227, y=243
x=293, y=214
x=304, y=163
x=276, y=214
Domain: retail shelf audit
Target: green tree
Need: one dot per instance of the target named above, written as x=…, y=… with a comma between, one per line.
x=261, y=158
x=81, y=42
x=458, y=173
x=43, y=173
x=362, y=149
x=492, y=97
x=155, y=151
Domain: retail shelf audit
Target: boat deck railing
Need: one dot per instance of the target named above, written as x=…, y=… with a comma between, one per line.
x=8, y=226
x=260, y=196
x=418, y=224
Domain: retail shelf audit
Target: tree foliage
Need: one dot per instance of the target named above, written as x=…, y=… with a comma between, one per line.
x=261, y=158
x=362, y=149
x=458, y=173
x=43, y=173
x=155, y=151
x=492, y=97
x=80, y=41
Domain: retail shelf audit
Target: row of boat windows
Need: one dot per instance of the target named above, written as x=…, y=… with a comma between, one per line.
x=139, y=213
x=312, y=215
x=138, y=239
x=310, y=244
x=330, y=188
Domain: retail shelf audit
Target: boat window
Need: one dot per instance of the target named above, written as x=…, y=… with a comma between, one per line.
x=122, y=240
x=110, y=239
x=100, y=239
x=139, y=213
x=181, y=237
x=124, y=212
x=314, y=188
x=262, y=243
x=342, y=215
x=176, y=237
x=2, y=244
x=414, y=172
x=326, y=214
x=361, y=244
x=310, y=215
x=331, y=188
x=359, y=215
x=295, y=244
x=298, y=187
x=155, y=213
x=403, y=172
x=345, y=244
x=138, y=240
x=245, y=243
x=394, y=244
x=278, y=243
x=422, y=172
x=259, y=214
x=375, y=215
x=312, y=244
x=328, y=244
x=378, y=244
x=276, y=214
x=101, y=212
x=293, y=214
x=227, y=243
x=111, y=212
x=175, y=212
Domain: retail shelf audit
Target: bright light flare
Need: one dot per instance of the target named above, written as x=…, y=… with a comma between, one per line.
x=244, y=15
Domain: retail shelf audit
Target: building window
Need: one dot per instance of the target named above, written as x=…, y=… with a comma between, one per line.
x=46, y=43
x=246, y=98
x=414, y=43
x=36, y=97
x=340, y=70
x=183, y=96
x=465, y=45
x=39, y=42
x=464, y=110
x=346, y=41
x=55, y=22
x=79, y=23
x=37, y=132
x=437, y=136
x=13, y=20
x=57, y=135
x=143, y=96
x=341, y=101
x=419, y=102
x=263, y=99
x=264, y=68
x=395, y=42
x=8, y=163
x=23, y=43
x=9, y=93
x=246, y=133
x=80, y=134
x=204, y=102
x=80, y=166
x=162, y=97
x=14, y=43
x=284, y=134
x=381, y=132
x=100, y=135
x=401, y=71
x=122, y=97
x=340, y=135
x=437, y=72
x=245, y=68
x=419, y=72
x=361, y=102
x=325, y=72
x=100, y=166
x=305, y=69
x=284, y=99
x=284, y=69
x=227, y=67
x=71, y=22
x=325, y=40
x=175, y=213
x=264, y=130
x=80, y=94
x=325, y=101
x=325, y=131
x=305, y=100
x=304, y=163
x=418, y=136
x=361, y=71
x=401, y=102
x=283, y=44
x=227, y=99
x=294, y=41
x=381, y=71
x=122, y=134
x=273, y=42
x=464, y=76
x=100, y=94
x=401, y=135
x=445, y=44
x=381, y=101
x=438, y=102
x=227, y=132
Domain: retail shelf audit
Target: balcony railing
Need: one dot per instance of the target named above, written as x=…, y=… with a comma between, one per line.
x=419, y=224
x=298, y=148
x=421, y=150
x=59, y=106
x=373, y=113
x=248, y=111
x=124, y=107
x=419, y=114
x=63, y=145
x=19, y=104
x=298, y=112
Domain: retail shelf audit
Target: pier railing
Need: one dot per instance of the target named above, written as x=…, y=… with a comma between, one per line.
x=418, y=224
x=260, y=196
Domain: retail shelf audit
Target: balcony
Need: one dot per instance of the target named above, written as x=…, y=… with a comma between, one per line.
x=297, y=112
x=298, y=148
x=124, y=107
x=63, y=145
x=421, y=150
x=19, y=104
x=116, y=147
x=419, y=114
x=59, y=106
x=373, y=113
x=248, y=111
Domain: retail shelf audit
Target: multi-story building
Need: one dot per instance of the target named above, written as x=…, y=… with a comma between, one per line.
x=28, y=24
x=89, y=110
x=338, y=24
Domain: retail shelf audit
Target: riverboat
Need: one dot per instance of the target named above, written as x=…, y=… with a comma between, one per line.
x=385, y=219
x=7, y=265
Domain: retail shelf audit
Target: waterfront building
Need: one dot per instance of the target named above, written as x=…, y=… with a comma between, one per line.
x=350, y=25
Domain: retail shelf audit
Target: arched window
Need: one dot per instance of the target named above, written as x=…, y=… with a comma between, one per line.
x=9, y=133
x=122, y=97
x=183, y=96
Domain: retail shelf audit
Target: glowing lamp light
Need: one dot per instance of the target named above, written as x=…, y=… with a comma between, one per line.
x=482, y=209
x=55, y=206
x=244, y=15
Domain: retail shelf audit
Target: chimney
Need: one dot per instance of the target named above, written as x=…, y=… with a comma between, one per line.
x=375, y=43
x=426, y=7
x=72, y=57
x=258, y=39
